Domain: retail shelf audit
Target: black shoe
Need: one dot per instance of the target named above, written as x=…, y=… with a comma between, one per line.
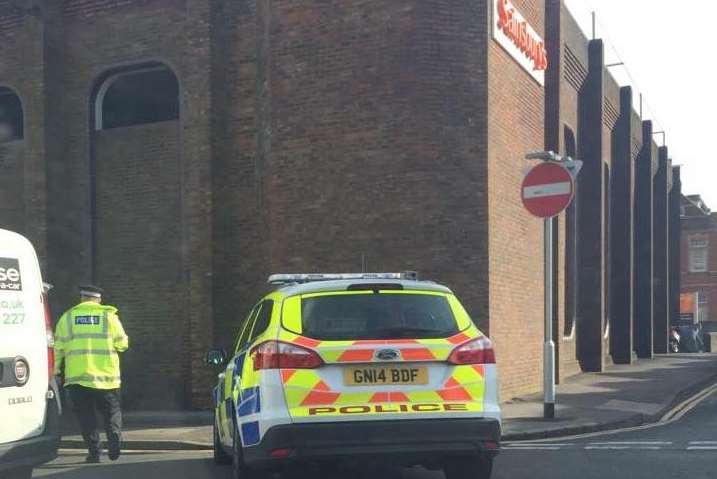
x=113, y=448
x=93, y=458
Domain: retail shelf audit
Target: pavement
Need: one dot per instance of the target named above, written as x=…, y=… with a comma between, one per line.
x=622, y=396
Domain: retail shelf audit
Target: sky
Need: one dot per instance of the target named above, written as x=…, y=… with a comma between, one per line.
x=669, y=52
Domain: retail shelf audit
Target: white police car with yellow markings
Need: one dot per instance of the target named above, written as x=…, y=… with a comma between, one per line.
x=357, y=367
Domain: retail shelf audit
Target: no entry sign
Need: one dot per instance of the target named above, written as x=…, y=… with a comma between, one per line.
x=547, y=190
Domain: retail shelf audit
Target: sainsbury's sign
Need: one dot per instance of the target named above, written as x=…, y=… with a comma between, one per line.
x=517, y=37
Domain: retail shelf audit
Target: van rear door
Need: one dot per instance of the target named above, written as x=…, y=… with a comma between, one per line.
x=23, y=341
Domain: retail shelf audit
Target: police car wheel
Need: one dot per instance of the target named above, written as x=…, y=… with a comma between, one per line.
x=22, y=473
x=241, y=471
x=469, y=468
x=220, y=455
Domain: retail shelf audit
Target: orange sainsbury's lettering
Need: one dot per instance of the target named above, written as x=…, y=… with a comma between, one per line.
x=530, y=44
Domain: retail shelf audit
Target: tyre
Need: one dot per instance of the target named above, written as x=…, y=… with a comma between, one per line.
x=477, y=467
x=240, y=470
x=220, y=455
x=22, y=473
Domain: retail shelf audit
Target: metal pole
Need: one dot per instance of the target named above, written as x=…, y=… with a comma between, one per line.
x=549, y=346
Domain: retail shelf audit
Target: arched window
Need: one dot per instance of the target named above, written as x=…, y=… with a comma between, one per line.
x=11, y=116
x=137, y=97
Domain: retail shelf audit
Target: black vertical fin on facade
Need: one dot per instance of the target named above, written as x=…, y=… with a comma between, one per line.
x=621, y=232
x=660, y=256
x=553, y=143
x=644, y=245
x=591, y=214
x=675, y=232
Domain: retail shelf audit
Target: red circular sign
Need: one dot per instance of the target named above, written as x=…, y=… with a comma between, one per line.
x=547, y=190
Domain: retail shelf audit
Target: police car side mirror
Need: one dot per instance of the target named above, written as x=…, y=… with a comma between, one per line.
x=216, y=357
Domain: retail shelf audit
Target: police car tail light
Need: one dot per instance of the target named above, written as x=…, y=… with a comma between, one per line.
x=476, y=351
x=280, y=355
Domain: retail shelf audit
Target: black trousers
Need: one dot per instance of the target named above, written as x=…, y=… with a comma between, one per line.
x=87, y=402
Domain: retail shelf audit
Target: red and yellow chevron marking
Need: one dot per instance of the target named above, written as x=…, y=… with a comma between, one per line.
x=305, y=389
x=364, y=351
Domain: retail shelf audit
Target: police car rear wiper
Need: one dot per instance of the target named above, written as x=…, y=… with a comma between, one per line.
x=402, y=333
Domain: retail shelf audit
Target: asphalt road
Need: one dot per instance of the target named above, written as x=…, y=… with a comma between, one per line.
x=686, y=448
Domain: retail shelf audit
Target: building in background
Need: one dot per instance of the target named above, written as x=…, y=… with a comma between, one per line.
x=699, y=253
x=177, y=152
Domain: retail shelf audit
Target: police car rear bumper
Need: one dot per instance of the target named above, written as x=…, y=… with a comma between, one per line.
x=36, y=450
x=413, y=442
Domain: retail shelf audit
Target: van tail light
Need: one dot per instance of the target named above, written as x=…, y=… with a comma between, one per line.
x=50, y=338
x=280, y=355
x=476, y=351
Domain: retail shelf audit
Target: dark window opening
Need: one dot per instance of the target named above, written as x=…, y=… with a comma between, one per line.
x=262, y=320
x=11, y=117
x=138, y=98
x=377, y=316
x=571, y=247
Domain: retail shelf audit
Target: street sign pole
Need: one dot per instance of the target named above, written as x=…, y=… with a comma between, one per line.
x=549, y=344
x=547, y=190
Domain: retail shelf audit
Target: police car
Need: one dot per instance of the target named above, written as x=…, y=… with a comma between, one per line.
x=29, y=400
x=357, y=367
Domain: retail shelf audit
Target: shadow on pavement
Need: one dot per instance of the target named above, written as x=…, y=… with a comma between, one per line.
x=151, y=465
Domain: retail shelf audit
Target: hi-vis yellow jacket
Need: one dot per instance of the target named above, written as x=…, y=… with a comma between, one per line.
x=87, y=339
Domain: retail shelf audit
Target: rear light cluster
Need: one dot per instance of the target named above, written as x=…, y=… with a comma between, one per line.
x=476, y=351
x=50, y=337
x=280, y=355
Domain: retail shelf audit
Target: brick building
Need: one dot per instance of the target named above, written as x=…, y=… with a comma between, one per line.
x=178, y=151
x=699, y=253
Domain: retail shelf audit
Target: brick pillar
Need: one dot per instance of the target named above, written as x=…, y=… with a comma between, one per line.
x=591, y=215
x=197, y=156
x=643, y=245
x=674, y=232
x=659, y=256
x=43, y=30
x=621, y=231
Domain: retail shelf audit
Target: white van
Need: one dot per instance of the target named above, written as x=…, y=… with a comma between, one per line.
x=29, y=400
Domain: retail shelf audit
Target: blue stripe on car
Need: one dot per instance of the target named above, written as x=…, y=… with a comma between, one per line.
x=250, y=433
x=251, y=402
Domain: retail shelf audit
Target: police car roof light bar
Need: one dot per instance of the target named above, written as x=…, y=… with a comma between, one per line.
x=279, y=279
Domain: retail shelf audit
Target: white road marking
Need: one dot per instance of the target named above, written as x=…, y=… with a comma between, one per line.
x=630, y=443
x=537, y=444
x=703, y=442
x=702, y=448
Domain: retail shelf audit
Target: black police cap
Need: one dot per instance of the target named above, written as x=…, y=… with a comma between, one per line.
x=91, y=290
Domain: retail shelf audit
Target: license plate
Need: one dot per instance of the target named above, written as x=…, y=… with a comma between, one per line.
x=379, y=376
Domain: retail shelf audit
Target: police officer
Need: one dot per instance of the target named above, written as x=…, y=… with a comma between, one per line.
x=87, y=340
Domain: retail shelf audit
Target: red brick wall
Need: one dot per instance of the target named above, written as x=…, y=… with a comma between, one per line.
x=139, y=256
x=12, y=197
x=706, y=282
x=372, y=137
x=573, y=71
x=515, y=127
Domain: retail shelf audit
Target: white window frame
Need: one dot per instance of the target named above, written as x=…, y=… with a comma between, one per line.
x=698, y=244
